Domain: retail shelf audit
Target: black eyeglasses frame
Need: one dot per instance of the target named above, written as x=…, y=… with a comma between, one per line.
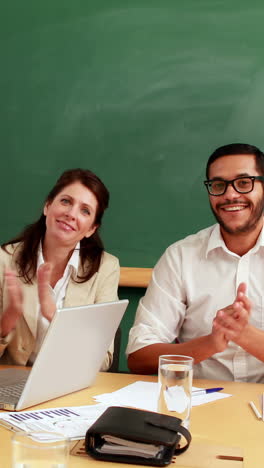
x=228, y=182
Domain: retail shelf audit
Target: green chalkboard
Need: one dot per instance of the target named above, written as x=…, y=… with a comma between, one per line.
x=139, y=91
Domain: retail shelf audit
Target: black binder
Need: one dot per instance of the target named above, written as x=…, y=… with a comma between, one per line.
x=128, y=435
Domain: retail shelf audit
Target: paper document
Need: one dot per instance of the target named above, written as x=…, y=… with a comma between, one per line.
x=144, y=395
x=128, y=447
x=72, y=422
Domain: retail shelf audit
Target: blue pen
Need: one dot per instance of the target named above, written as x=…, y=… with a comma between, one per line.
x=204, y=391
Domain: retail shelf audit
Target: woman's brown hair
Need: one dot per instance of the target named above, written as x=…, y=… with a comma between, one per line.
x=91, y=248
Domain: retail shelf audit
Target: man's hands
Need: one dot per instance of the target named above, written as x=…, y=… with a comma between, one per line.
x=231, y=322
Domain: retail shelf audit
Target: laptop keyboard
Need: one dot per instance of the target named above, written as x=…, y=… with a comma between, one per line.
x=13, y=391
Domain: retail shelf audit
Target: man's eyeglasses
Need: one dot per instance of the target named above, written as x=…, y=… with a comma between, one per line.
x=218, y=187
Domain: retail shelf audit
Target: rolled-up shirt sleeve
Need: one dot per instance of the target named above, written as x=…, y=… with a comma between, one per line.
x=161, y=311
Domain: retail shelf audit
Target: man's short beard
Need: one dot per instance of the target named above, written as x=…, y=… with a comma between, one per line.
x=249, y=226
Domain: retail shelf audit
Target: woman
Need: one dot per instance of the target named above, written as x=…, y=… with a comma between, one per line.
x=57, y=261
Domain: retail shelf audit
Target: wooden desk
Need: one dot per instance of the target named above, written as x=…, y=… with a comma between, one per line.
x=228, y=422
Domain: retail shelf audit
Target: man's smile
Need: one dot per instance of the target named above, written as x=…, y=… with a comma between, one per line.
x=234, y=207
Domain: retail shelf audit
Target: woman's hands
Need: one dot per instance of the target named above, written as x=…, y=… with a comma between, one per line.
x=14, y=309
x=47, y=304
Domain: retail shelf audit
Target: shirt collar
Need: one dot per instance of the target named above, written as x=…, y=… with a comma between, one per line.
x=216, y=240
x=73, y=261
x=260, y=241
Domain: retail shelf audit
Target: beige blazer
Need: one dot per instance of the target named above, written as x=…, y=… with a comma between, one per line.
x=17, y=347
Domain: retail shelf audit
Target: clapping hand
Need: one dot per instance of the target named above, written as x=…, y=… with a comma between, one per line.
x=234, y=319
x=47, y=304
x=14, y=309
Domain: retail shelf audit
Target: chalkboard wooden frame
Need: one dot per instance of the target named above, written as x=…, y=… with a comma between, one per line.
x=135, y=277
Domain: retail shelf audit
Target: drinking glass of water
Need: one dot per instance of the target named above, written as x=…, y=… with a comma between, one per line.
x=39, y=450
x=175, y=386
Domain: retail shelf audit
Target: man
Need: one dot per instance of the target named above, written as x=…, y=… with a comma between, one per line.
x=207, y=290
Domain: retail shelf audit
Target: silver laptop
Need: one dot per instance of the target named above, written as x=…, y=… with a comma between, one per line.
x=70, y=356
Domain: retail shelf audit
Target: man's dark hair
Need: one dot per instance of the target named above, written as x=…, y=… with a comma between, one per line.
x=237, y=148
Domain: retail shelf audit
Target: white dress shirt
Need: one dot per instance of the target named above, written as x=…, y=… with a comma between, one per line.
x=195, y=278
x=58, y=293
